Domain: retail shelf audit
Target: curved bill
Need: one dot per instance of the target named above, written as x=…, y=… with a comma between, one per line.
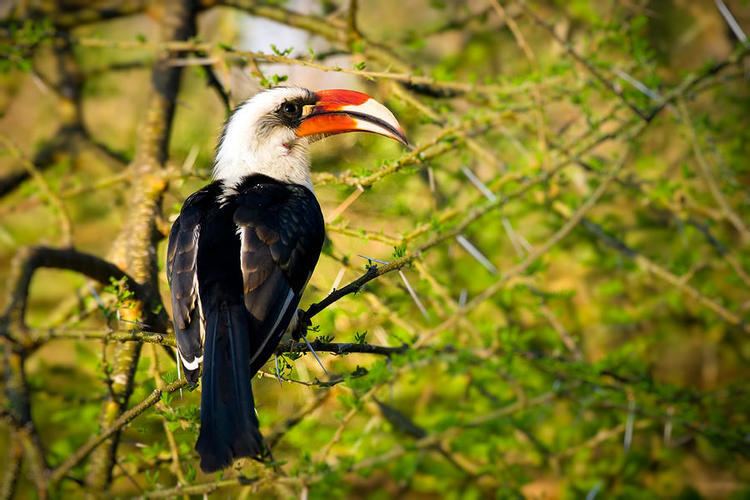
x=339, y=111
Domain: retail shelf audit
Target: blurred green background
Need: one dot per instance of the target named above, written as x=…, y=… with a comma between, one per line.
x=613, y=363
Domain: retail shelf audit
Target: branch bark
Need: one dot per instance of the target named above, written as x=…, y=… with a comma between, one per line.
x=134, y=250
x=68, y=16
x=117, y=425
x=160, y=338
x=17, y=344
x=27, y=262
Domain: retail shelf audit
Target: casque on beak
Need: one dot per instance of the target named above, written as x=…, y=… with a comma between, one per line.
x=338, y=111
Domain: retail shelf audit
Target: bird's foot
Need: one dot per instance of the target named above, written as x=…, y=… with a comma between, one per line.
x=303, y=324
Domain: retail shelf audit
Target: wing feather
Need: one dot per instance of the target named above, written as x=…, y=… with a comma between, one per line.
x=281, y=235
x=182, y=274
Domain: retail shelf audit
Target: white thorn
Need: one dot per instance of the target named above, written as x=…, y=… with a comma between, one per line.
x=384, y=262
x=276, y=369
x=414, y=296
x=513, y=237
x=315, y=354
x=652, y=94
x=345, y=204
x=187, y=165
x=524, y=242
x=731, y=21
x=481, y=186
x=668, y=427
x=463, y=297
x=474, y=251
x=96, y=296
x=591, y=495
x=628, y=439
x=381, y=335
x=179, y=366
x=431, y=179
x=518, y=144
x=337, y=281
x=406, y=282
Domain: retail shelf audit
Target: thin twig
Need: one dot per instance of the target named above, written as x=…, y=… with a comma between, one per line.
x=705, y=170
x=123, y=420
x=66, y=227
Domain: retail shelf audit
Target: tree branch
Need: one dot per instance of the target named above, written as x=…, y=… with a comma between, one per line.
x=665, y=275
x=28, y=261
x=134, y=250
x=12, y=467
x=117, y=425
x=67, y=16
x=340, y=348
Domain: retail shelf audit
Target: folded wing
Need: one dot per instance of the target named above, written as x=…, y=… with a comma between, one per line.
x=182, y=274
x=281, y=234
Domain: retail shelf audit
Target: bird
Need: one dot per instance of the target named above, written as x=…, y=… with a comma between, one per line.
x=243, y=248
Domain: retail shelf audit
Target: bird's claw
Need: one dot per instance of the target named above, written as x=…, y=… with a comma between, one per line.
x=303, y=324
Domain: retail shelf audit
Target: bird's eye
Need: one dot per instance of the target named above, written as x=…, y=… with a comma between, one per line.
x=290, y=109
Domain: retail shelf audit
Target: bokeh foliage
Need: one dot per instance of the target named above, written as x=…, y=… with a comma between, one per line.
x=585, y=325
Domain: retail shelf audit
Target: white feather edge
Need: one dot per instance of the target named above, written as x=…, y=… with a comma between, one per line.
x=195, y=363
x=287, y=301
x=190, y=365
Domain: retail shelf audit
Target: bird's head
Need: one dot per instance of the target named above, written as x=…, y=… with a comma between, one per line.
x=269, y=133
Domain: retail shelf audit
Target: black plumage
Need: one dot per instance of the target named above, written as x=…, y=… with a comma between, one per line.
x=238, y=261
x=182, y=262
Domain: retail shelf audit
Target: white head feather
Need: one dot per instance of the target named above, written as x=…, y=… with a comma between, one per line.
x=248, y=147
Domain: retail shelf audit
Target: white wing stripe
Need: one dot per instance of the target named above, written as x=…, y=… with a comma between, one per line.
x=193, y=365
x=289, y=298
x=272, y=332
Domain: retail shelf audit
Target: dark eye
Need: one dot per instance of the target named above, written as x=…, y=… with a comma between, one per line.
x=290, y=109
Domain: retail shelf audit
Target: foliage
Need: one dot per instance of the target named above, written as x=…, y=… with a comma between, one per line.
x=559, y=268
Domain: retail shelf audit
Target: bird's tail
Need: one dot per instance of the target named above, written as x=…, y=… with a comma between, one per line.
x=229, y=426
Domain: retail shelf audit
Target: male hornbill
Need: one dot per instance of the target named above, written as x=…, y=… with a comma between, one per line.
x=244, y=247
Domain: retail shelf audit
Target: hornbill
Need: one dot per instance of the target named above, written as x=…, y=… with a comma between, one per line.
x=244, y=247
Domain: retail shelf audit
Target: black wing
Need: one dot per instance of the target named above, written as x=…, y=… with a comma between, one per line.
x=182, y=257
x=281, y=235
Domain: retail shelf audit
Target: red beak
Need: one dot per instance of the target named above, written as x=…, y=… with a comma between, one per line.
x=339, y=111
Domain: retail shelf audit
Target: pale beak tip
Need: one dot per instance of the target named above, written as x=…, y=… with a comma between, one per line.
x=401, y=137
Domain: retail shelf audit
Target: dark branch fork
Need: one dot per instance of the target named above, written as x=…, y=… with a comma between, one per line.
x=38, y=337
x=340, y=348
x=32, y=259
x=18, y=344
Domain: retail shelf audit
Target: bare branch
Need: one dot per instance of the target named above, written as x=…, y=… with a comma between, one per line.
x=134, y=248
x=28, y=261
x=220, y=53
x=582, y=60
x=664, y=274
x=66, y=16
x=12, y=468
x=340, y=348
x=41, y=336
x=62, y=212
x=117, y=425
x=708, y=178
